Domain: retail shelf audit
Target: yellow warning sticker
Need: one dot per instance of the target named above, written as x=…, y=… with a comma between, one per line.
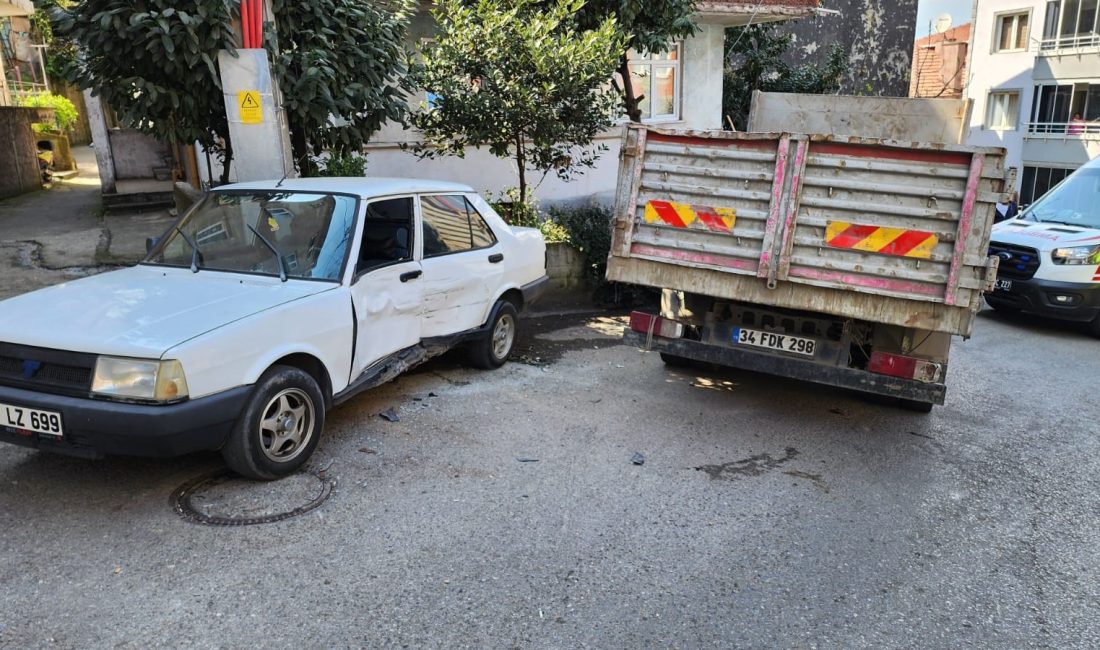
x=252, y=111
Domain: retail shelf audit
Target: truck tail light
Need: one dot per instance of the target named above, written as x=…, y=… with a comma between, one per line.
x=896, y=365
x=655, y=325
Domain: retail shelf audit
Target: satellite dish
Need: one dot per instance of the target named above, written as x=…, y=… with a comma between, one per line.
x=943, y=23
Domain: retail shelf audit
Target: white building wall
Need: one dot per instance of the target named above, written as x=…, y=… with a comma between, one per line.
x=700, y=108
x=991, y=71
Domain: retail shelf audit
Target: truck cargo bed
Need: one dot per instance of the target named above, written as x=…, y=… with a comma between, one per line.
x=875, y=230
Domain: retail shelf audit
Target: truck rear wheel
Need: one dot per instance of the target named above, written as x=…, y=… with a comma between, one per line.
x=673, y=361
x=915, y=406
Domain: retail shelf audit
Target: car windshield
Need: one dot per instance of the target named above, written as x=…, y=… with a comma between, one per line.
x=302, y=234
x=1075, y=201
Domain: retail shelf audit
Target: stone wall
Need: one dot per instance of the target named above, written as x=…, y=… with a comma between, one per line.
x=136, y=154
x=564, y=266
x=19, y=171
x=877, y=34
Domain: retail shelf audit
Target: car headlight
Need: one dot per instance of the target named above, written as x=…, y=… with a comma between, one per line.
x=161, y=381
x=1076, y=255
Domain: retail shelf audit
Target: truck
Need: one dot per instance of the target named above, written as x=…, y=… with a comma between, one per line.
x=840, y=260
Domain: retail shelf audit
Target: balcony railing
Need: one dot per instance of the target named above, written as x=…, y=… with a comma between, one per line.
x=1064, y=130
x=1069, y=42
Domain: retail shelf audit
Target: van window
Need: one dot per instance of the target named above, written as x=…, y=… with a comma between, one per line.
x=1076, y=202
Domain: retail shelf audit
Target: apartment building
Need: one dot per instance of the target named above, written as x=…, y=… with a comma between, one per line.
x=1035, y=86
x=22, y=61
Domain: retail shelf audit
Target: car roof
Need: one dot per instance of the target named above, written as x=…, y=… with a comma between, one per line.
x=365, y=187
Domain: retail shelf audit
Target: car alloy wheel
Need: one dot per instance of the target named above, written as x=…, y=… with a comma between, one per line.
x=287, y=425
x=504, y=335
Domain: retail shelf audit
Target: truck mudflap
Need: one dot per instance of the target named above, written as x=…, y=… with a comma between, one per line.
x=851, y=378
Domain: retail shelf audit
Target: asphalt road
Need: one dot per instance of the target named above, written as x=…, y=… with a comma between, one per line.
x=768, y=513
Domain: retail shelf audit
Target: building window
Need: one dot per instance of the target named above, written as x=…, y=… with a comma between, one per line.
x=1012, y=32
x=655, y=79
x=1038, y=180
x=1071, y=24
x=1003, y=111
x=1066, y=109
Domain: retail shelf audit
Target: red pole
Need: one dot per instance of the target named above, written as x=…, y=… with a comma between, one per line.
x=246, y=22
x=257, y=24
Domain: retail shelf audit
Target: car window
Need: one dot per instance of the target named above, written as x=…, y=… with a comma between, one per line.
x=446, y=225
x=452, y=225
x=387, y=234
x=483, y=236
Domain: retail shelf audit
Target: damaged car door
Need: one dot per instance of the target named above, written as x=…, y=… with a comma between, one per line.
x=387, y=289
x=461, y=263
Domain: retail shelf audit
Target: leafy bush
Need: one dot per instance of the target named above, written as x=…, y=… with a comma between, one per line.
x=589, y=231
x=65, y=114
x=342, y=165
x=553, y=232
x=515, y=211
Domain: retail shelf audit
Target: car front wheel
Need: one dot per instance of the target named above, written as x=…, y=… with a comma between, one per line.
x=493, y=348
x=279, y=427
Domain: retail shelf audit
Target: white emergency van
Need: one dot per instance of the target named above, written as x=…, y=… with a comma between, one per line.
x=1050, y=253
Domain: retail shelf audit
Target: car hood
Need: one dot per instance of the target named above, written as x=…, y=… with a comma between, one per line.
x=1043, y=236
x=141, y=311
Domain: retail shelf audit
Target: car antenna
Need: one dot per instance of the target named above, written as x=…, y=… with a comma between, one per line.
x=287, y=173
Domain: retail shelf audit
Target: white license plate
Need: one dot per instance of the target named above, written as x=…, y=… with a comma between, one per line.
x=772, y=341
x=1003, y=285
x=46, y=423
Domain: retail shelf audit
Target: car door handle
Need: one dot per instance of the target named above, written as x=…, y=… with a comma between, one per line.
x=496, y=258
x=410, y=275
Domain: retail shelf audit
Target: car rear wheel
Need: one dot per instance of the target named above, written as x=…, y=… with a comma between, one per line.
x=493, y=349
x=280, y=426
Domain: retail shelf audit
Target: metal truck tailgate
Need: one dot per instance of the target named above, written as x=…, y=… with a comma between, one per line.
x=874, y=230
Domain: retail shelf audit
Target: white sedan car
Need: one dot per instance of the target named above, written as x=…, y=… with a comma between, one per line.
x=264, y=306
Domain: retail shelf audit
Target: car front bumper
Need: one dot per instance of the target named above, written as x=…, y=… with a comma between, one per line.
x=96, y=428
x=1037, y=296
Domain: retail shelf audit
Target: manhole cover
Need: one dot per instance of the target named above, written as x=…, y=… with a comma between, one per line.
x=222, y=498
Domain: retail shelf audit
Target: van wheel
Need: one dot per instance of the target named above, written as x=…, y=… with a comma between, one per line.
x=280, y=426
x=1001, y=307
x=493, y=349
x=1094, y=327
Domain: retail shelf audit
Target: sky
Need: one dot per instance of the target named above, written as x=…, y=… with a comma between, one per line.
x=929, y=10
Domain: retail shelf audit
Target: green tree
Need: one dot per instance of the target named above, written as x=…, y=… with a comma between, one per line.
x=521, y=79
x=341, y=68
x=652, y=26
x=754, y=61
x=60, y=52
x=339, y=64
x=155, y=64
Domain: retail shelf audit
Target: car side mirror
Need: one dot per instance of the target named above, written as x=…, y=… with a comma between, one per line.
x=150, y=244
